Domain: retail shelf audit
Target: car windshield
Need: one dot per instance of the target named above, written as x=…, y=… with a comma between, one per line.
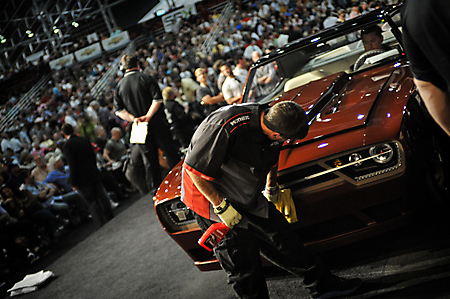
x=322, y=55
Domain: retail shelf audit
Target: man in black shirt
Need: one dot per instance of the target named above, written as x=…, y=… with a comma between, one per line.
x=138, y=98
x=85, y=176
x=182, y=125
x=425, y=35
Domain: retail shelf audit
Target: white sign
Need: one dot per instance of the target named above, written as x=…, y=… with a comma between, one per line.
x=89, y=52
x=59, y=63
x=33, y=58
x=115, y=42
x=170, y=20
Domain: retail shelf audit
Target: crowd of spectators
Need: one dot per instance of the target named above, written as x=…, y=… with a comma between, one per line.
x=37, y=201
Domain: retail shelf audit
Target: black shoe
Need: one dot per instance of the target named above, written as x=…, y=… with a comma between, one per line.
x=333, y=286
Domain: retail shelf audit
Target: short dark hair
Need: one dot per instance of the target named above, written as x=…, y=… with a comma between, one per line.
x=129, y=61
x=67, y=129
x=217, y=64
x=287, y=118
x=224, y=63
x=372, y=29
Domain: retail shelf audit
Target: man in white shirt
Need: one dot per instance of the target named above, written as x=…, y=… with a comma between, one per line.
x=251, y=48
x=330, y=20
x=233, y=85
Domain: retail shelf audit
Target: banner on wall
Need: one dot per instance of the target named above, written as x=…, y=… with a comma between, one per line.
x=90, y=52
x=93, y=51
x=64, y=61
x=34, y=58
x=171, y=19
x=115, y=42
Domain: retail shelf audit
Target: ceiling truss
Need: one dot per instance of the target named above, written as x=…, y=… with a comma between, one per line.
x=30, y=26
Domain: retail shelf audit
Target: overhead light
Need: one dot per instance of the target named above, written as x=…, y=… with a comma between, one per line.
x=2, y=39
x=29, y=33
x=75, y=24
x=55, y=29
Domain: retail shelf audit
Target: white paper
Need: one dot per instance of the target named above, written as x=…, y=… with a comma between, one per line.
x=139, y=132
x=30, y=282
x=23, y=291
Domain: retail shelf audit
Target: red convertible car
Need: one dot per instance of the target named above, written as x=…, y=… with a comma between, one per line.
x=372, y=154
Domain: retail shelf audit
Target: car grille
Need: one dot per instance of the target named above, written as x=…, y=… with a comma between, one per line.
x=334, y=170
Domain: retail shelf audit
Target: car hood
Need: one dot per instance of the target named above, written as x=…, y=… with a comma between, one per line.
x=349, y=111
x=337, y=103
x=341, y=102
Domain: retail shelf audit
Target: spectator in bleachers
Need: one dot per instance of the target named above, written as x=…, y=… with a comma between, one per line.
x=57, y=175
x=232, y=86
x=208, y=94
x=22, y=205
x=115, y=149
x=101, y=139
x=92, y=112
x=86, y=127
x=250, y=49
x=181, y=123
x=41, y=171
x=69, y=117
x=69, y=205
x=241, y=68
x=266, y=78
x=13, y=172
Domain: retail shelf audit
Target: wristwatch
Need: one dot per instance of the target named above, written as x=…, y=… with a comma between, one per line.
x=222, y=207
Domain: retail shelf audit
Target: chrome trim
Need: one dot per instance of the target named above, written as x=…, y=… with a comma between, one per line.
x=340, y=167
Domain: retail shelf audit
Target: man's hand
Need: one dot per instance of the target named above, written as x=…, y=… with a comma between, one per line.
x=227, y=213
x=271, y=193
x=143, y=119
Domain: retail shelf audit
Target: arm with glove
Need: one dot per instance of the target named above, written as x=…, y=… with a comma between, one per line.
x=281, y=198
x=222, y=207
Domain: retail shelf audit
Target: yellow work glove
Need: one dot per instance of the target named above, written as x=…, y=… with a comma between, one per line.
x=227, y=214
x=271, y=193
x=282, y=199
x=286, y=205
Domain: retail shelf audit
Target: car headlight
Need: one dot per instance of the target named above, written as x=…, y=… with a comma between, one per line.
x=382, y=153
x=175, y=216
x=354, y=158
x=369, y=162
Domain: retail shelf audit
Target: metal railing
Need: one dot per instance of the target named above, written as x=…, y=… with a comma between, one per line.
x=208, y=44
x=25, y=101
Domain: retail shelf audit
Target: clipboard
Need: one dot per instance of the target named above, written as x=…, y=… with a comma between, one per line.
x=139, y=132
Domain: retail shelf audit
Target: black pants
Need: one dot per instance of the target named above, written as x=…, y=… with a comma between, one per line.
x=144, y=169
x=239, y=254
x=97, y=201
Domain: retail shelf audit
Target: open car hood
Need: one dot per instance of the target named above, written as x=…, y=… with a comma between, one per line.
x=339, y=102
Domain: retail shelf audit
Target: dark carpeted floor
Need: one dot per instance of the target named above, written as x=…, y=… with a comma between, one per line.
x=129, y=257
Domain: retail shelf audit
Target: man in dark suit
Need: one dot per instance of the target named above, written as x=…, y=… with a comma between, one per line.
x=85, y=176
